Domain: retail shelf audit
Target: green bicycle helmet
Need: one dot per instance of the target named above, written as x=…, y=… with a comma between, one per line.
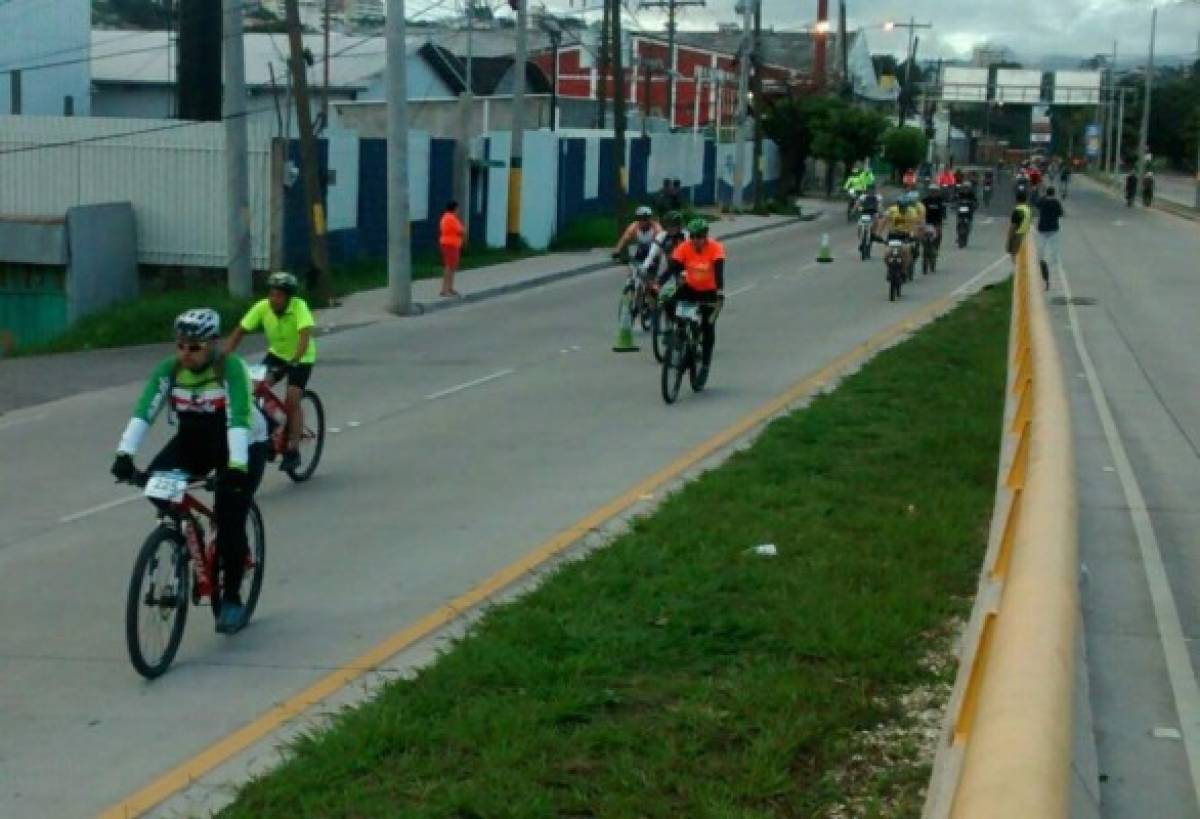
x=283, y=281
x=697, y=228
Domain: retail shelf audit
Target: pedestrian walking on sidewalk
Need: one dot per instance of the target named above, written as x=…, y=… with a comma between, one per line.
x=1019, y=225
x=1050, y=211
x=450, y=241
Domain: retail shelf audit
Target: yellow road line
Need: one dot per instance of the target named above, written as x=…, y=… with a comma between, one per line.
x=192, y=769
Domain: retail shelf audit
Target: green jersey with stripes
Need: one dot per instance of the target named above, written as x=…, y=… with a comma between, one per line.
x=215, y=400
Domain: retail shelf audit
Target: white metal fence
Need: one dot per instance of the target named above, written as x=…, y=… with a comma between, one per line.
x=173, y=173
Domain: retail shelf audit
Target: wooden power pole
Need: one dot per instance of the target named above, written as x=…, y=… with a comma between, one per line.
x=318, y=275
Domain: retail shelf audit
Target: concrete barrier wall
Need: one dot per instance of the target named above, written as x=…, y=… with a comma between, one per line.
x=1006, y=746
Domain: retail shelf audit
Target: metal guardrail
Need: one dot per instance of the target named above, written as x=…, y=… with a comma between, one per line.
x=1005, y=749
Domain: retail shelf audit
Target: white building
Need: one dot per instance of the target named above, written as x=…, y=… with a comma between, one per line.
x=48, y=44
x=133, y=75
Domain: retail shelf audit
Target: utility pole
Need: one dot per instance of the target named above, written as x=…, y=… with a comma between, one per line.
x=847, y=83
x=1111, y=133
x=14, y=94
x=912, y=25
x=237, y=186
x=466, y=107
x=399, y=229
x=325, y=85
x=319, y=256
x=756, y=85
x=602, y=83
x=1197, y=200
x=739, y=156
x=1144, y=134
x=618, y=110
x=515, y=164
x=1120, y=134
x=672, y=58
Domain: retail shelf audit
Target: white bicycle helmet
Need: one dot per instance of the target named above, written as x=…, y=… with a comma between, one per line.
x=283, y=281
x=643, y=212
x=198, y=324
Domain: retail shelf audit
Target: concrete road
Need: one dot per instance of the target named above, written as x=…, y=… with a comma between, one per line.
x=466, y=438
x=1130, y=357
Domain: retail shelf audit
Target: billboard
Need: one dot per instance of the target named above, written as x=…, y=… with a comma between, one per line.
x=964, y=84
x=1017, y=85
x=1040, y=129
x=1077, y=87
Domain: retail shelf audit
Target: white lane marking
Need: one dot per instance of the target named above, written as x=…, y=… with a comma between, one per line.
x=18, y=421
x=777, y=276
x=965, y=286
x=742, y=289
x=468, y=385
x=1184, y=687
x=98, y=508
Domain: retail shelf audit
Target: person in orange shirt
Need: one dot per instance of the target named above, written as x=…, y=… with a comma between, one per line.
x=699, y=265
x=450, y=240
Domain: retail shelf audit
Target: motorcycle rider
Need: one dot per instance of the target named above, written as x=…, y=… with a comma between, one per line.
x=935, y=212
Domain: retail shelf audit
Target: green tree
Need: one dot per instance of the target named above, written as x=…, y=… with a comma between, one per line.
x=793, y=123
x=904, y=147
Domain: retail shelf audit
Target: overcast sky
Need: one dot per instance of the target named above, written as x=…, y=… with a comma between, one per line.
x=1031, y=28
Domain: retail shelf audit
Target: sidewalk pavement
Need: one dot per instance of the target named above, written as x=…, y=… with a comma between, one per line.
x=33, y=380
x=479, y=283
x=1174, y=193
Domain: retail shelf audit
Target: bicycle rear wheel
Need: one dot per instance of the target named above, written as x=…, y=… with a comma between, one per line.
x=673, y=365
x=312, y=437
x=157, y=604
x=256, y=560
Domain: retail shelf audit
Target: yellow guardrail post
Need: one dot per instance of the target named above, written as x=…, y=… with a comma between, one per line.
x=1006, y=749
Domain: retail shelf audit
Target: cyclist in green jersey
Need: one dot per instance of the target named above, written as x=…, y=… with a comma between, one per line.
x=291, y=352
x=218, y=429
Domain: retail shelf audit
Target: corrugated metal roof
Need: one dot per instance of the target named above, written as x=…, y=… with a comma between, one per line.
x=148, y=57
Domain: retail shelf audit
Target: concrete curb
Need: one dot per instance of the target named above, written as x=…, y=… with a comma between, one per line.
x=421, y=308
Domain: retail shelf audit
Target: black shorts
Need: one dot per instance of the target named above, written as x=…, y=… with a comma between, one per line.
x=297, y=374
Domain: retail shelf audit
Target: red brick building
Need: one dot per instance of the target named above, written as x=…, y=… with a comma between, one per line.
x=700, y=71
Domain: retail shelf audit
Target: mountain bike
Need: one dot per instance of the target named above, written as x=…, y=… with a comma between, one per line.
x=644, y=304
x=177, y=564
x=865, y=222
x=683, y=350
x=931, y=239
x=312, y=434
x=964, y=225
x=893, y=260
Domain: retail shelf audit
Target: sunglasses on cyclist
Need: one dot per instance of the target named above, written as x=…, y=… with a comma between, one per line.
x=190, y=346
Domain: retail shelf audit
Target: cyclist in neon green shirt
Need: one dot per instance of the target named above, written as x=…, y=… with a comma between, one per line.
x=291, y=351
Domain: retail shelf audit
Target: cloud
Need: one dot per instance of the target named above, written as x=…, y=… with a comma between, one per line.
x=1031, y=28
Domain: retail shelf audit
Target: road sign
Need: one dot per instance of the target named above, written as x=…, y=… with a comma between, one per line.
x=1040, y=129
x=1091, y=140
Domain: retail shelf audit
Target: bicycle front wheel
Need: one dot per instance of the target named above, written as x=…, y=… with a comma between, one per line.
x=156, y=606
x=658, y=336
x=312, y=437
x=256, y=560
x=673, y=365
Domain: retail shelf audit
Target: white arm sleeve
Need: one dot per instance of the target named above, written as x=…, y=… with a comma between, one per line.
x=131, y=440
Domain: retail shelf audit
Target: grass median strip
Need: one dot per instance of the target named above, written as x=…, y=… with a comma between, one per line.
x=677, y=673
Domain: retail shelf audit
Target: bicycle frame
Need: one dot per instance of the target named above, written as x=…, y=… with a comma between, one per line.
x=203, y=555
x=276, y=410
